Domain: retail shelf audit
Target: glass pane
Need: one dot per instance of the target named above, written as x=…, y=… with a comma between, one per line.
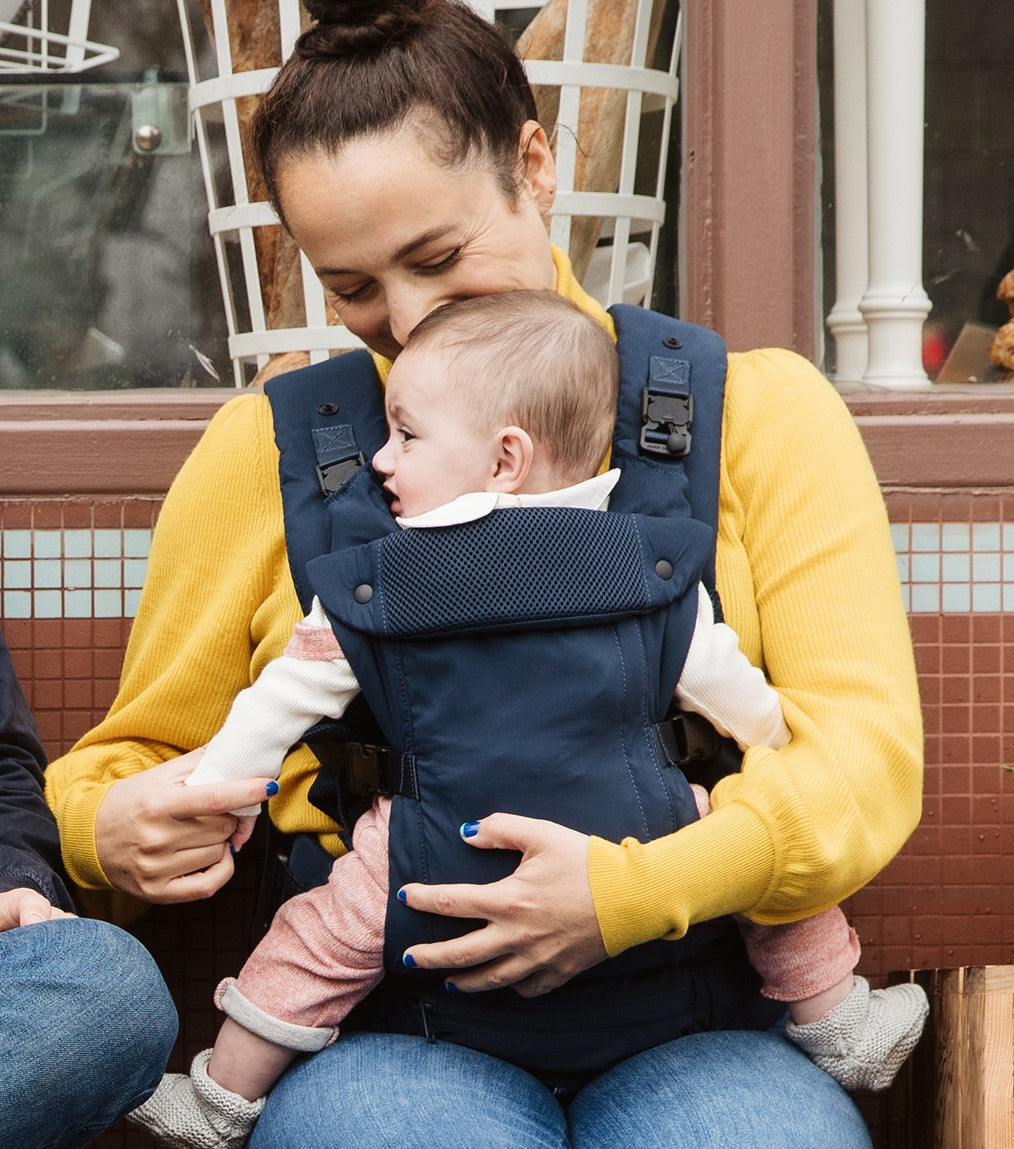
x=969, y=198
x=109, y=278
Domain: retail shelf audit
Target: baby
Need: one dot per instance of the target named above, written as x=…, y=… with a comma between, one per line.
x=468, y=437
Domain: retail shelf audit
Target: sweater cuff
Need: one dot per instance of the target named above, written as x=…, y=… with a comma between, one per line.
x=644, y=891
x=77, y=835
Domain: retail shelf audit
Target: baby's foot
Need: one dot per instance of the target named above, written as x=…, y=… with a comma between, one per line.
x=864, y=1040
x=194, y=1112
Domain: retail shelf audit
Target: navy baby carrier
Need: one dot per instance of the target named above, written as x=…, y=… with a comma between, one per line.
x=523, y=662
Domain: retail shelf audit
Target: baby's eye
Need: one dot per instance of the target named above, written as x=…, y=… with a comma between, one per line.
x=406, y=434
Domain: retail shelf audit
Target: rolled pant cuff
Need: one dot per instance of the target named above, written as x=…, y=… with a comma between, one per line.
x=301, y=1038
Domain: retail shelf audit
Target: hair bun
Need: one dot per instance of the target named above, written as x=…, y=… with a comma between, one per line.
x=345, y=26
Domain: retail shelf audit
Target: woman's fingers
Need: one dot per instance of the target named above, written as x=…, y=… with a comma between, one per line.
x=151, y=831
x=541, y=928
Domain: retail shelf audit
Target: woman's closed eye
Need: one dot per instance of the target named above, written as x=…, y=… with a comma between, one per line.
x=341, y=298
x=441, y=264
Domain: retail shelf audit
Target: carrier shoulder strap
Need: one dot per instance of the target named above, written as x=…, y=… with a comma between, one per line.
x=669, y=416
x=329, y=421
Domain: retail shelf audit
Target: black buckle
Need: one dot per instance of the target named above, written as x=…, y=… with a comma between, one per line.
x=688, y=738
x=691, y=744
x=665, y=423
x=334, y=474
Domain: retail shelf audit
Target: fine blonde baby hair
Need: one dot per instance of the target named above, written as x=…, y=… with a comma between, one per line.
x=531, y=359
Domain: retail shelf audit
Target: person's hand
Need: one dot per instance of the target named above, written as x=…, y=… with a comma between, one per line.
x=541, y=927
x=25, y=907
x=165, y=842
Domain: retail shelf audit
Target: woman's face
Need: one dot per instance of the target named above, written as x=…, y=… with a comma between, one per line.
x=392, y=234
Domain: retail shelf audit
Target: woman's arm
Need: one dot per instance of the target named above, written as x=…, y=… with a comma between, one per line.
x=218, y=604
x=809, y=581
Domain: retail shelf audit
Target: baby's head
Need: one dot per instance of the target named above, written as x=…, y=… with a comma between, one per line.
x=514, y=392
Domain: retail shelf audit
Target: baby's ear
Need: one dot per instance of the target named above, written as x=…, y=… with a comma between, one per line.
x=514, y=454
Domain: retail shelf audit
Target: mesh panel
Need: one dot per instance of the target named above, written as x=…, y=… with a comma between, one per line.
x=532, y=563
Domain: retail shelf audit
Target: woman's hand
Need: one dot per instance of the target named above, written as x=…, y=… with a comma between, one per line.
x=165, y=842
x=541, y=927
x=25, y=907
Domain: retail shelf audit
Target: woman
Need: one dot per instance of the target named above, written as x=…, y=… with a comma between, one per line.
x=400, y=147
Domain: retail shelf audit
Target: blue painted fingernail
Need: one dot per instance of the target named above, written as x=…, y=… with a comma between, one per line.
x=409, y=960
x=451, y=986
x=232, y=849
x=402, y=896
x=271, y=789
x=469, y=829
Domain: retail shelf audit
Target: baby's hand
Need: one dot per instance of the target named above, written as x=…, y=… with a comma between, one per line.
x=241, y=835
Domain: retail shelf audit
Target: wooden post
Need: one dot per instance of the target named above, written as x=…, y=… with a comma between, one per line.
x=957, y=1092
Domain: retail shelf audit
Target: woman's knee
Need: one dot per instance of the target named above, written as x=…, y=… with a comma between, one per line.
x=749, y=1089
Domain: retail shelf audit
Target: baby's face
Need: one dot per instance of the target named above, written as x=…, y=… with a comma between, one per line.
x=432, y=454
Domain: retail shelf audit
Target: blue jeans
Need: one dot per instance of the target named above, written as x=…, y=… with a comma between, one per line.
x=748, y=1090
x=86, y=1028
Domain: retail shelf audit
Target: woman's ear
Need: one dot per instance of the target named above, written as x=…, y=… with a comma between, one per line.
x=538, y=168
x=515, y=453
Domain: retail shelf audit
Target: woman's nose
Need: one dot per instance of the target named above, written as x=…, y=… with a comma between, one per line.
x=407, y=309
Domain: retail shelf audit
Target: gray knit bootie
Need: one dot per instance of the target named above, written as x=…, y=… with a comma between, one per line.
x=864, y=1040
x=194, y=1112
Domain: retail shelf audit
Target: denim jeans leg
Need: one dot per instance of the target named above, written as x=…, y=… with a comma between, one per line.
x=394, y=1092
x=751, y=1090
x=86, y=1028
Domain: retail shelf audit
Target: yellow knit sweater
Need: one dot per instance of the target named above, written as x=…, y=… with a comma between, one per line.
x=807, y=577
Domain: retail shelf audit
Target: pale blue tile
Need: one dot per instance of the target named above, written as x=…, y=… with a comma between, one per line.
x=17, y=575
x=47, y=544
x=925, y=567
x=955, y=537
x=926, y=598
x=903, y=565
x=131, y=599
x=17, y=604
x=986, y=597
x=1007, y=534
x=48, y=604
x=985, y=568
x=1008, y=567
x=77, y=573
x=47, y=572
x=956, y=568
x=77, y=604
x=985, y=536
x=134, y=571
x=136, y=543
x=17, y=544
x=925, y=536
x=108, y=573
x=108, y=604
x=1008, y=597
x=77, y=544
x=107, y=544
x=906, y=597
x=957, y=599
x=899, y=536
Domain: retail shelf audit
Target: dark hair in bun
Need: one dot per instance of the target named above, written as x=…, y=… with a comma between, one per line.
x=365, y=67
x=356, y=27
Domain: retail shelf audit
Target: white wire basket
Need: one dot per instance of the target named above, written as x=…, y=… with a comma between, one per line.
x=628, y=218
x=33, y=43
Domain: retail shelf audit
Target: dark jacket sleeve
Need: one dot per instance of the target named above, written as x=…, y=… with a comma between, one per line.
x=29, y=845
